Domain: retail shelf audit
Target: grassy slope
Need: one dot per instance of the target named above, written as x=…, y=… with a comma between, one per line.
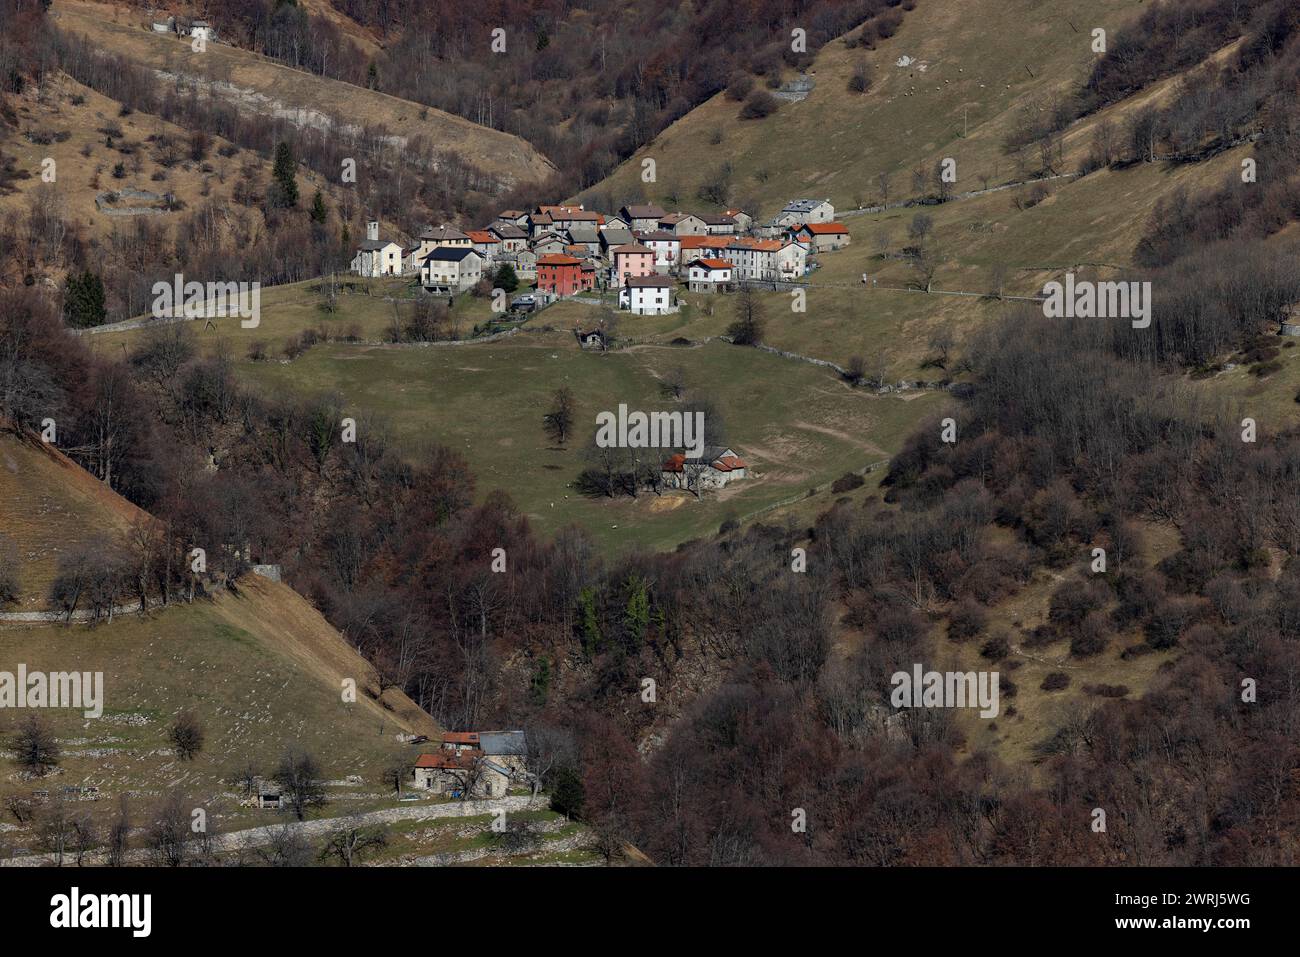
x=501, y=155
x=80, y=178
x=978, y=57
x=48, y=504
x=262, y=670
x=795, y=423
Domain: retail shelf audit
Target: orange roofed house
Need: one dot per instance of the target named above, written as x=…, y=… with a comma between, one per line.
x=820, y=237
x=716, y=468
x=564, y=275
x=472, y=764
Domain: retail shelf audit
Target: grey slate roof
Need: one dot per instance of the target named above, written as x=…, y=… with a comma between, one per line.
x=803, y=205
x=502, y=742
x=449, y=254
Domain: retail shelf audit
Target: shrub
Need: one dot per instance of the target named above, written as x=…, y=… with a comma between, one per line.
x=741, y=85
x=847, y=483
x=1056, y=681
x=759, y=105
x=967, y=620
x=996, y=648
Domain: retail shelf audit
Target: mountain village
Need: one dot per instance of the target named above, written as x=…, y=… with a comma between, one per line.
x=643, y=252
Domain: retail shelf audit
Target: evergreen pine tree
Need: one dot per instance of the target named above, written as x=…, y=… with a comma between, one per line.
x=84, y=303
x=285, y=193
x=318, y=212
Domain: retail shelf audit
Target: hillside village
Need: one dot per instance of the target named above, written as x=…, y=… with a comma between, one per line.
x=642, y=253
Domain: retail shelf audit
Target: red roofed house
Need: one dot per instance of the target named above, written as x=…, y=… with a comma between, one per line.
x=563, y=275
x=461, y=773
x=710, y=275
x=716, y=468
x=485, y=243
x=820, y=237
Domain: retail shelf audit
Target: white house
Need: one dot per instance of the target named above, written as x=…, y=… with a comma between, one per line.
x=667, y=248
x=709, y=275
x=451, y=270
x=201, y=29
x=377, y=257
x=766, y=260
x=648, y=295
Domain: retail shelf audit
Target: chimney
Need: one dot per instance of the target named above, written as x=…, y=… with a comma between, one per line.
x=372, y=230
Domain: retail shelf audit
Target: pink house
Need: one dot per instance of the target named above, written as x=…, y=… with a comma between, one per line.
x=632, y=260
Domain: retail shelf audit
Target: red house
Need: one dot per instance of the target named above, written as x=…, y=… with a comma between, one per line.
x=563, y=275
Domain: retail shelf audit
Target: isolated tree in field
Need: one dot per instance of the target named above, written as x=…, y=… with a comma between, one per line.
x=187, y=735
x=559, y=421
x=35, y=747
x=119, y=835
x=283, y=193
x=925, y=263
x=84, y=300
x=882, y=186
x=856, y=370
x=747, y=330
x=299, y=777
x=398, y=773
x=352, y=841
x=54, y=830
x=920, y=228
x=8, y=571
x=168, y=836
x=860, y=81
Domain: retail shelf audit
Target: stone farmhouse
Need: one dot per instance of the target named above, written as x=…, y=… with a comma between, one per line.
x=800, y=211
x=716, y=468
x=473, y=764
x=821, y=237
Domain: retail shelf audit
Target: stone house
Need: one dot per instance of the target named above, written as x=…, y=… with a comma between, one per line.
x=821, y=237
x=799, y=211
x=683, y=224
x=744, y=221
x=716, y=468
x=719, y=225
x=513, y=238
x=643, y=217
x=465, y=773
